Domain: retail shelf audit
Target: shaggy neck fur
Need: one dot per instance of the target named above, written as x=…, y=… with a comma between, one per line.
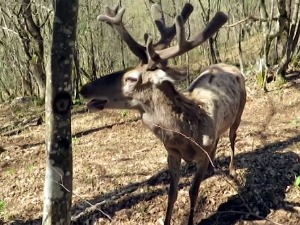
x=169, y=114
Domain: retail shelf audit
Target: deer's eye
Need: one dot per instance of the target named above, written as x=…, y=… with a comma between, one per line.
x=130, y=79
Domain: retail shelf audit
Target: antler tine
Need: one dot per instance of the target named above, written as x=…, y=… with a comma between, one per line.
x=184, y=45
x=168, y=33
x=152, y=56
x=114, y=18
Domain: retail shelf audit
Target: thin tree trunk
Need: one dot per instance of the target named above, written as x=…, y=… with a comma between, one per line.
x=35, y=48
x=59, y=171
x=238, y=36
x=211, y=41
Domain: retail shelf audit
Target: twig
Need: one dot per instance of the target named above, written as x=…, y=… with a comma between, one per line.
x=10, y=30
x=93, y=206
x=190, y=139
x=251, y=18
x=237, y=23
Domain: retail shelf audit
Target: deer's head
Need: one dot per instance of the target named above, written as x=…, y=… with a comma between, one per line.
x=117, y=90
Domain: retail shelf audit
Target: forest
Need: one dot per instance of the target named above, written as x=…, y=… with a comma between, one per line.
x=259, y=36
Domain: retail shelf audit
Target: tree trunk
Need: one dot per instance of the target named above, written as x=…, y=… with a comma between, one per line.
x=33, y=46
x=59, y=173
x=76, y=77
x=292, y=32
x=282, y=39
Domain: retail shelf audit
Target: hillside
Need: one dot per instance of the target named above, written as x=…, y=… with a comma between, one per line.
x=121, y=166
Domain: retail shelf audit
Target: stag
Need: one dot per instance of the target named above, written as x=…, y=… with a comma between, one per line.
x=189, y=124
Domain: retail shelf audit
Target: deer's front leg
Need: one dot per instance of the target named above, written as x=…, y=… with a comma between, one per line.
x=174, y=168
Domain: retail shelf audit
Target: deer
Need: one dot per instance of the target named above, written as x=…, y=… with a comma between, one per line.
x=188, y=123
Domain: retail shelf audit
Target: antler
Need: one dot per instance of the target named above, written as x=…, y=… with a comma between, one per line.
x=168, y=33
x=157, y=56
x=114, y=18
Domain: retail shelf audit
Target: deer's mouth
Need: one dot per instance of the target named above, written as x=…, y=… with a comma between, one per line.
x=97, y=104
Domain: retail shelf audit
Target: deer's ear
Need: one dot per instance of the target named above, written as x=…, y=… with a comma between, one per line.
x=169, y=74
x=158, y=76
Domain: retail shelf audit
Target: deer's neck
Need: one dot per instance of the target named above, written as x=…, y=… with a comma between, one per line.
x=165, y=109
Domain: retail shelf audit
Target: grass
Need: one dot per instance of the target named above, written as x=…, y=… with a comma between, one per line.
x=30, y=168
x=297, y=182
x=2, y=207
x=294, y=122
x=11, y=171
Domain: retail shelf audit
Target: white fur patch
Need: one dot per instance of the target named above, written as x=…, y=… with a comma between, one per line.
x=135, y=74
x=205, y=72
x=207, y=141
x=128, y=87
x=159, y=76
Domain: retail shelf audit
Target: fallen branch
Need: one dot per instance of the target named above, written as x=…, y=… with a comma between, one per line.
x=20, y=126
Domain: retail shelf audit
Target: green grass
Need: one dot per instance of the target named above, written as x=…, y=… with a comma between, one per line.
x=125, y=113
x=78, y=101
x=11, y=171
x=297, y=182
x=294, y=122
x=30, y=168
x=74, y=140
x=2, y=206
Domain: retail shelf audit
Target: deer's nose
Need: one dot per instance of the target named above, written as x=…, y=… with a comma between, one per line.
x=84, y=91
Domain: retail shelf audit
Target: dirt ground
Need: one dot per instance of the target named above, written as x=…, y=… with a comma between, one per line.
x=120, y=166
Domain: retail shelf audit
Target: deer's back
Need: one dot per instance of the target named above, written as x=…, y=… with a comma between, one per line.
x=221, y=91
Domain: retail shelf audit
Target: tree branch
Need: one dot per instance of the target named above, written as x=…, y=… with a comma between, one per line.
x=252, y=18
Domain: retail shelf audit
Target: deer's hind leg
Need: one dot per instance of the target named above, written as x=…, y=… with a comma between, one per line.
x=194, y=189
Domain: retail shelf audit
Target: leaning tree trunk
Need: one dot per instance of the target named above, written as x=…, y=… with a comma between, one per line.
x=59, y=173
x=33, y=45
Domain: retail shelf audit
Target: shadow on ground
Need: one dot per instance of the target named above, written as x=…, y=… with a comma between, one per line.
x=269, y=172
x=83, y=133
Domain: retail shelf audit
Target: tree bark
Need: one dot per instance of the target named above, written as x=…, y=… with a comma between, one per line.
x=76, y=77
x=33, y=46
x=292, y=34
x=59, y=173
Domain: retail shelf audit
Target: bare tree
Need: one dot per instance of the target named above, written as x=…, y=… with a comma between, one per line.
x=285, y=30
x=27, y=23
x=214, y=56
x=292, y=32
x=59, y=174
